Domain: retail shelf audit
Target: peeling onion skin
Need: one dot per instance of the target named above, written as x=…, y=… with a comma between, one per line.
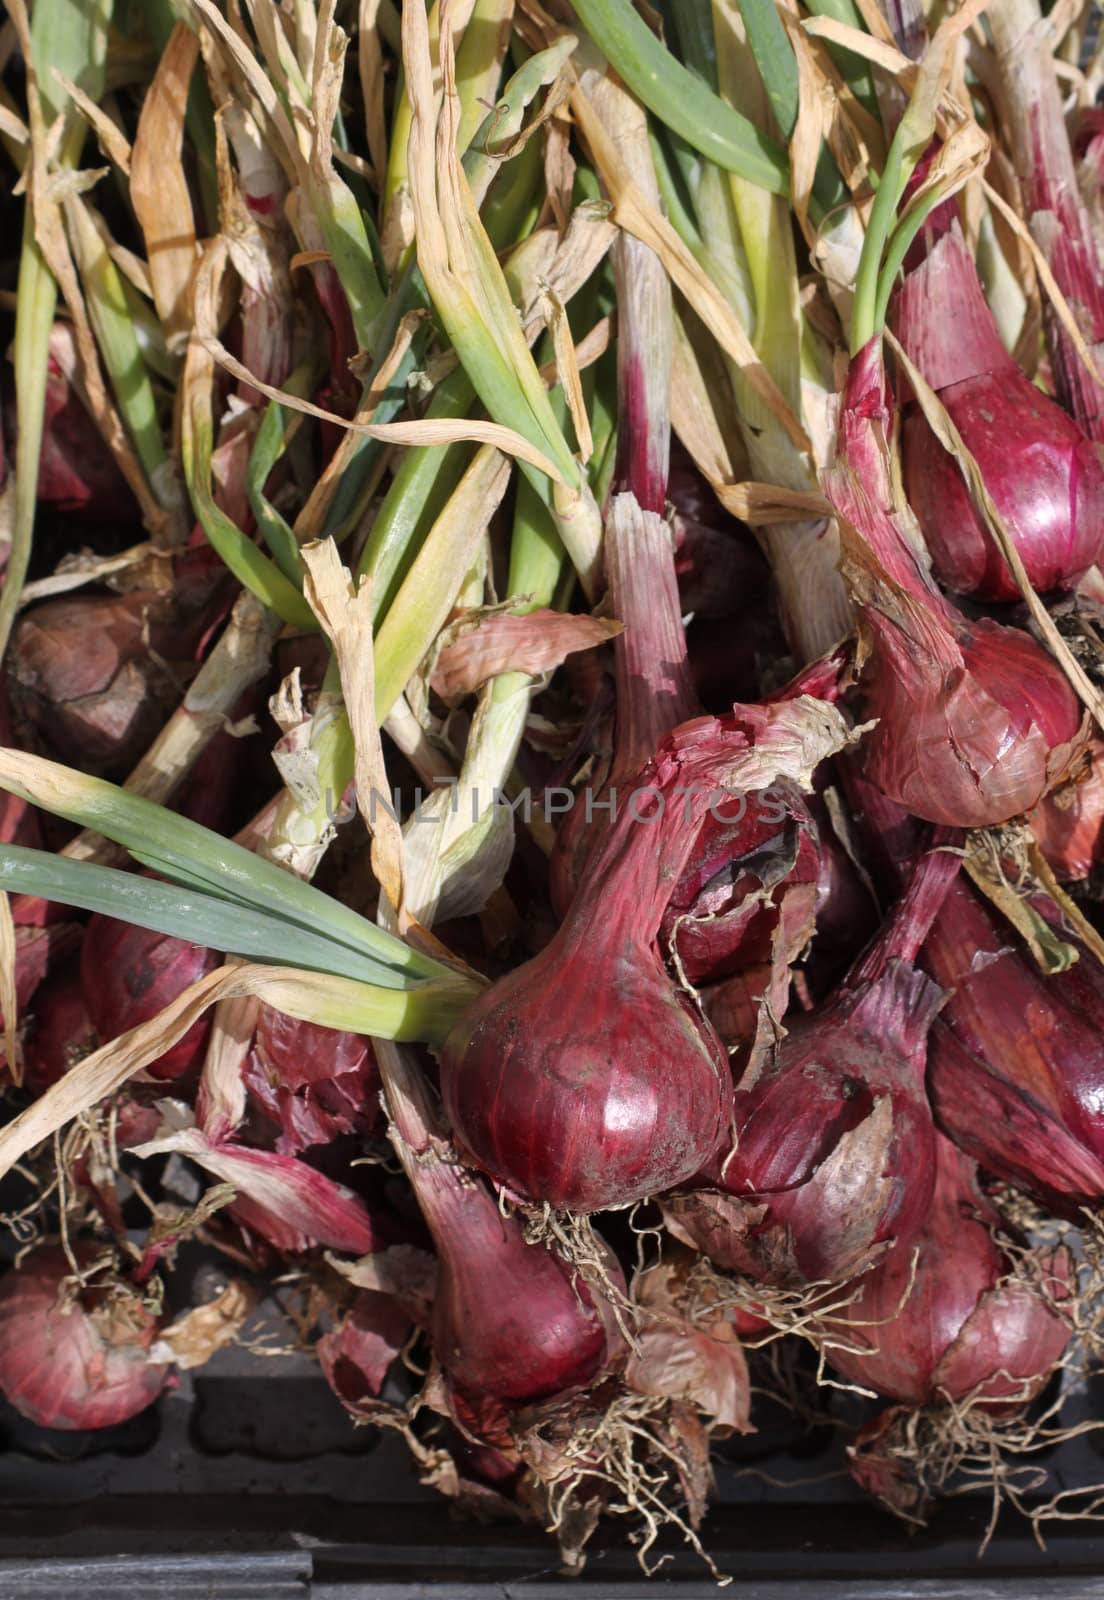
x=63, y=1371
x=832, y=1154
x=953, y=1320
x=1017, y=1063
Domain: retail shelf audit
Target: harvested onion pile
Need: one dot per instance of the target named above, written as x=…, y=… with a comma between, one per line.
x=552, y=728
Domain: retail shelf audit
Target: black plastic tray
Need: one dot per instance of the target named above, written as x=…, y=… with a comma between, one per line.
x=249, y=1481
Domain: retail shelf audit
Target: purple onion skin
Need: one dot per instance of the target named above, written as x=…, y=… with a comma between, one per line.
x=584, y=1080
x=945, y=1325
x=832, y=1153
x=1046, y=478
x=1044, y=475
x=715, y=918
x=59, y=1370
x=60, y=1031
x=641, y=458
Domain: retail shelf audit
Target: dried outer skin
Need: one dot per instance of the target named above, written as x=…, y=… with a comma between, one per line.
x=977, y=1330
x=89, y=1369
x=1016, y=1067
x=355, y=1355
x=313, y=1082
x=82, y=680
x=975, y=721
x=129, y=974
x=1068, y=823
x=752, y=855
x=83, y=671
x=1046, y=478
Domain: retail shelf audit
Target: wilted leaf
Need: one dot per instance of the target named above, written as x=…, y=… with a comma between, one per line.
x=480, y=646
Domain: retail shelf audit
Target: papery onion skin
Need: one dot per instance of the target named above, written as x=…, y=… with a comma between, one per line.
x=1046, y=478
x=945, y=1317
x=1015, y=1058
x=1016, y=1069
x=88, y=1369
x=313, y=1082
x=833, y=1141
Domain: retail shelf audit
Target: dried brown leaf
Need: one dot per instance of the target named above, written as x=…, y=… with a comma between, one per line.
x=764, y=503
x=683, y=1363
x=158, y=185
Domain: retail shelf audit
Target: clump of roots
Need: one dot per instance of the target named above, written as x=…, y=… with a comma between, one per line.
x=630, y=1455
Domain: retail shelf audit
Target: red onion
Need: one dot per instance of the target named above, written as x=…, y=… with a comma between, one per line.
x=1040, y=147
x=948, y=1316
x=974, y=721
x=1015, y=1061
x=512, y=1322
x=83, y=682
x=129, y=974
x=585, y=1079
x=77, y=474
x=832, y=1150
x=60, y=1032
x=1046, y=478
x=79, y=1364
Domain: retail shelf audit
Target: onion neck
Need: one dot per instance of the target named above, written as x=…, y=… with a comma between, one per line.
x=912, y=919
x=654, y=687
x=942, y=318
x=860, y=486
